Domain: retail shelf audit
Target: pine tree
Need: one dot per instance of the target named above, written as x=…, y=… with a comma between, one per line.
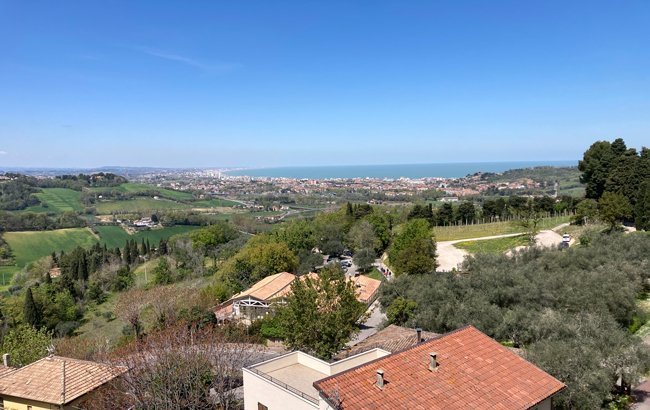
x=32, y=311
x=642, y=209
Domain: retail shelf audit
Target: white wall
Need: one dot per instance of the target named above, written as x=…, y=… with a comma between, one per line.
x=260, y=390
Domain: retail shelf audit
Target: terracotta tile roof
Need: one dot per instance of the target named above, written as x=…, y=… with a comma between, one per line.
x=366, y=287
x=4, y=370
x=392, y=338
x=270, y=287
x=474, y=372
x=44, y=379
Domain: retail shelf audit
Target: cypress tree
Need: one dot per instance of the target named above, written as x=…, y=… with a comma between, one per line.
x=127, y=253
x=32, y=311
x=143, y=248
x=48, y=278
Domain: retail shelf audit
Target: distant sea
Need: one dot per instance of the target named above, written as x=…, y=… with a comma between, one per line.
x=448, y=170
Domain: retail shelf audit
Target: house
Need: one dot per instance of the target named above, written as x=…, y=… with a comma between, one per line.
x=287, y=382
x=392, y=338
x=367, y=288
x=462, y=369
x=53, y=382
x=255, y=302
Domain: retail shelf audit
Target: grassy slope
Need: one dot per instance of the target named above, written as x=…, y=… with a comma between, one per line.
x=451, y=233
x=499, y=245
x=30, y=246
x=114, y=236
x=138, y=205
x=58, y=200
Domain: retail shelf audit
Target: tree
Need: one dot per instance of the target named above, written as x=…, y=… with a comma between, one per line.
x=586, y=211
x=530, y=219
x=578, y=332
x=466, y=212
x=162, y=272
x=25, y=344
x=595, y=166
x=321, y=313
x=642, y=209
x=213, y=235
x=32, y=311
x=364, y=258
x=413, y=250
x=401, y=310
x=362, y=236
x=181, y=367
x=446, y=214
x=260, y=258
x=614, y=208
x=623, y=177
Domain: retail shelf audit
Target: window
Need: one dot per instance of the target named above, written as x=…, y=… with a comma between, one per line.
x=260, y=406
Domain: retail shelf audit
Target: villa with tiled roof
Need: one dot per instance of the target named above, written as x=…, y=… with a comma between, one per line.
x=463, y=369
x=53, y=382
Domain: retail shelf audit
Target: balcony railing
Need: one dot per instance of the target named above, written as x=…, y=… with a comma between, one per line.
x=285, y=386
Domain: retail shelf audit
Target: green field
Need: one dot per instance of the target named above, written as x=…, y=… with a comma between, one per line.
x=60, y=199
x=499, y=245
x=214, y=203
x=138, y=205
x=115, y=236
x=30, y=246
x=134, y=188
x=452, y=233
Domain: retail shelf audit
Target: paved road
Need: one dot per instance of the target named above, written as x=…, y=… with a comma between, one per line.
x=642, y=395
x=450, y=257
x=371, y=326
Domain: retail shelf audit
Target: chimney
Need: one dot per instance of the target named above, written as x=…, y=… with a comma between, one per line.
x=380, y=378
x=418, y=333
x=433, y=361
x=6, y=359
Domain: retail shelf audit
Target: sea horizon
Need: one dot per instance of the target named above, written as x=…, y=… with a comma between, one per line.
x=394, y=171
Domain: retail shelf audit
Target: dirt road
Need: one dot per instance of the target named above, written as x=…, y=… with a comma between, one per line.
x=450, y=257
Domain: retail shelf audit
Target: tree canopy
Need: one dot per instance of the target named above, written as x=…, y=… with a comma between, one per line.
x=569, y=310
x=320, y=314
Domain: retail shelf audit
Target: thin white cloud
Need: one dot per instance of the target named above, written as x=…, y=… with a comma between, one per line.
x=3, y=152
x=217, y=68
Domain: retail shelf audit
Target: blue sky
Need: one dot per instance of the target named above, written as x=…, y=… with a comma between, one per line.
x=273, y=83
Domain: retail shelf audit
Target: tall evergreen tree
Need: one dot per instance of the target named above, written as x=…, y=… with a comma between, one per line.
x=32, y=310
x=642, y=209
x=595, y=166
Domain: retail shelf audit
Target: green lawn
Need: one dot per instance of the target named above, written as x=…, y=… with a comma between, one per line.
x=452, y=233
x=59, y=200
x=30, y=246
x=115, y=236
x=499, y=245
x=137, y=205
x=375, y=274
